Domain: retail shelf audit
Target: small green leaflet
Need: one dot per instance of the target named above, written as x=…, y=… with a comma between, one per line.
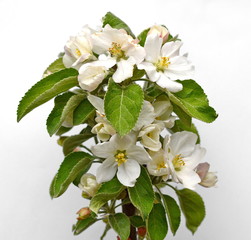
x=137, y=221
x=81, y=225
x=68, y=171
x=70, y=143
x=142, y=195
x=107, y=191
x=46, y=89
x=193, y=101
x=192, y=207
x=56, y=66
x=123, y=106
x=121, y=224
x=117, y=23
x=173, y=212
x=63, y=109
x=156, y=223
x=142, y=37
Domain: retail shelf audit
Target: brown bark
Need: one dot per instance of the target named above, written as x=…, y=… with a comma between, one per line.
x=129, y=210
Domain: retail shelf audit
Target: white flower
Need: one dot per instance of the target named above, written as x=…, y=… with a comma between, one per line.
x=158, y=166
x=146, y=116
x=163, y=109
x=78, y=49
x=160, y=30
x=183, y=155
x=150, y=137
x=122, y=156
x=103, y=129
x=98, y=103
x=208, y=179
x=120, y=46
x=93, y=73
x=88, y=184
x=163, y=65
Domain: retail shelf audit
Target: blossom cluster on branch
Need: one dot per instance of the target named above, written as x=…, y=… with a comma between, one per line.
x=135, y=98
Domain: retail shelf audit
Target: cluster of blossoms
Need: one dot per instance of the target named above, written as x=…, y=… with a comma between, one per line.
x=95, y=53
x=135, y=98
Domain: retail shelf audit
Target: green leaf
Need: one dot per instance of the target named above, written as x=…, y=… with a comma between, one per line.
x=81, y=225
x=137, y=74
x=180, y=126
x=152, y=92
x=192, y=207
x=142, y=194
x=193, y=101
x=107, y=191
x=121, y=224
x=123, y=105
x=156, y=223
x=76, y=140
x=183, y=116
x=82, y=112
x=62, y=130
x=117, y=23
x=56, y=66
x=46, y=89
x=173, y=212
x=142, y=37
x=137, y=221
x=68, y=171
x=64, y=106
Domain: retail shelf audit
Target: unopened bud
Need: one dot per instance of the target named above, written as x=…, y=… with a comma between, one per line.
x=160, y=30
x=88, y=185
x=209, y=180
x=83, y=213
x=141, y=231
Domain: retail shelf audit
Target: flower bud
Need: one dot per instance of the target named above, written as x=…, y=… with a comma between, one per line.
x=103, y=129
x=88, y=185
x=83, y=213
x=141, y=231
x=209, y=180
x=160, y=30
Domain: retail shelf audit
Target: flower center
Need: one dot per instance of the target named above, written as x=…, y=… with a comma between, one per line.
x=161, y=165
x=178, y=162
x=77, y=51
x=116, y=51
x=162, y=64
x=120, y=157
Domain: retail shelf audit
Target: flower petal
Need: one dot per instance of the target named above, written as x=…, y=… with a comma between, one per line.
x=139, y=154
x=171, y=49
x=168, y=84
x=183, y=143
x=124, y=70
x=97, y=102
x=193, y=160
x=107, y=170
x=128, y=172
x=150, y=70
x=104, y=150
x=188, y=178
x=152, y=46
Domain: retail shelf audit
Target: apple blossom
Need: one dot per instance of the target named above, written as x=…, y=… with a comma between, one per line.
x=123, y=157
x=183, y=156
x=163, y=64
x=160, y=30
x=116, y=44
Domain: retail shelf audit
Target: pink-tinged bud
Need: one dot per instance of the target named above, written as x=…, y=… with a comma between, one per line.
x=202, y=169
x=141, y=231
x=83, y=213
x=161, y=31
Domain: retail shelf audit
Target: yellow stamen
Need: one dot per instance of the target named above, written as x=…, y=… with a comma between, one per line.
x=116, y=51
x=120, y=157
x=161, y=165
x=163, y=63
x=78, y=52
x=178, y=162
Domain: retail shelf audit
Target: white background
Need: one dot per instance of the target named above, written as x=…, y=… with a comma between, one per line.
x=217, y=35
